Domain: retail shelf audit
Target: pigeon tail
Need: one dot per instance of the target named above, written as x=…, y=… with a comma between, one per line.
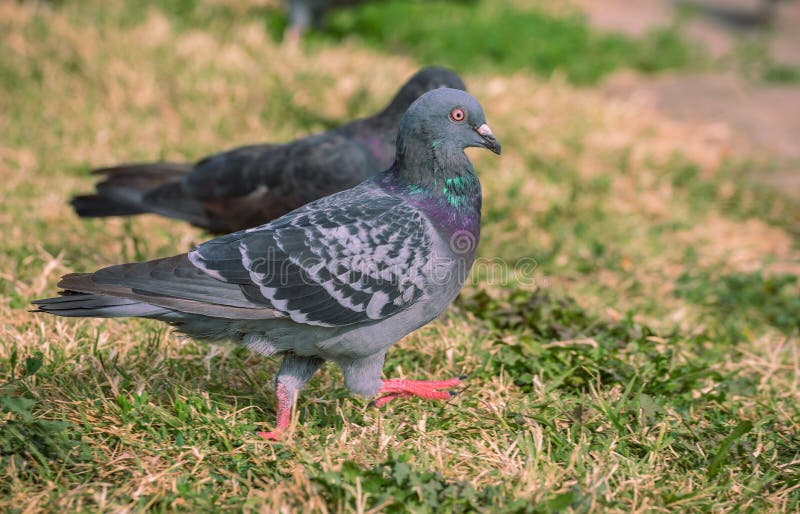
x=123, y=187
x=132, y=189
x=99, y=206
x=72, y=304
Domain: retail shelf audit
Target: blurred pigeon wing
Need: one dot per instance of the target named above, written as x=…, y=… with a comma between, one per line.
x=319, y=163
x=354, y=257
x=232, y=173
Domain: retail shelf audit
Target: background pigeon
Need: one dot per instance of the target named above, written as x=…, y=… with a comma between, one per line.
x=254, y=184
x=309, y=14
x=341, y=279
x=306, y=14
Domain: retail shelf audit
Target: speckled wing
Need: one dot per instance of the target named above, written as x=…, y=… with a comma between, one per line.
x=357, y=256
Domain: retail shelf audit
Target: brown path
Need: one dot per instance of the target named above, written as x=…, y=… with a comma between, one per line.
x=766, y=114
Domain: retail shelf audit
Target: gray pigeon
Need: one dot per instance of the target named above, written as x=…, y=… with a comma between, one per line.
x=340, y=279
x=252, y=185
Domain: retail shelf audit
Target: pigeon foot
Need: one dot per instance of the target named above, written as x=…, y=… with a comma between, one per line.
x=429, y=390
x=284, y=413
x=293, y=37
x=273, y=435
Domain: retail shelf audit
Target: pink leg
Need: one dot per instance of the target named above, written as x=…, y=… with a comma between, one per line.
x=293, y=36
x=294, y=373
x=284, y=411
x=429, y=390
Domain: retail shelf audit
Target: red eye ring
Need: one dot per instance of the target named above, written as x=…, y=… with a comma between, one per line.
x=458, y=115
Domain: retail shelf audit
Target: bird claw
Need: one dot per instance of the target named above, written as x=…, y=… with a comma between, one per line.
x=274, y=435
x=428, y=390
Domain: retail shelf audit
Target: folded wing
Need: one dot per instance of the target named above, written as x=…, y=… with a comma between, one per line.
x=350, y=258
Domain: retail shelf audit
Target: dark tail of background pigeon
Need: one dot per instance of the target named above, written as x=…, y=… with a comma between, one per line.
x=99, y=206
x=121, y=192
x=143, y=188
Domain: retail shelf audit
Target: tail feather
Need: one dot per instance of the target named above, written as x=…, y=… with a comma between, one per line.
x=123, y=190
x=147, y=175
x=164, y=289
x=72, y=304
x=111, y=297
x=98, y=206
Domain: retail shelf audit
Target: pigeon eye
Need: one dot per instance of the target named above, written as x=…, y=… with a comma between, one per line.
x=458, y=115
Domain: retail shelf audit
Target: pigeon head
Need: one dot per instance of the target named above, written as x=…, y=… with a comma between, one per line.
x=426, y=79
x=441, y=124
x=430, y=164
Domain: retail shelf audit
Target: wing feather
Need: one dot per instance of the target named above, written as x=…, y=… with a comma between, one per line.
x=349, y=258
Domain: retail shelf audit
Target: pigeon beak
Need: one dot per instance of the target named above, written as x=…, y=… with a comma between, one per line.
x=488, y=139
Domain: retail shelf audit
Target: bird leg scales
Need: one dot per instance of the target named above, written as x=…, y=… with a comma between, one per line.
x=284, y=414
x=293, y=375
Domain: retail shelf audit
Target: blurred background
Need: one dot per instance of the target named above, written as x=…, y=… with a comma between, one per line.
x=650, y=168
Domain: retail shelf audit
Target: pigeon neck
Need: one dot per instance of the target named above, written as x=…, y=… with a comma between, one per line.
x=440, y=180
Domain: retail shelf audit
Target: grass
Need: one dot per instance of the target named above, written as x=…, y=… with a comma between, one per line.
x=499, y=36
x=636, y=352
x=467, y=34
